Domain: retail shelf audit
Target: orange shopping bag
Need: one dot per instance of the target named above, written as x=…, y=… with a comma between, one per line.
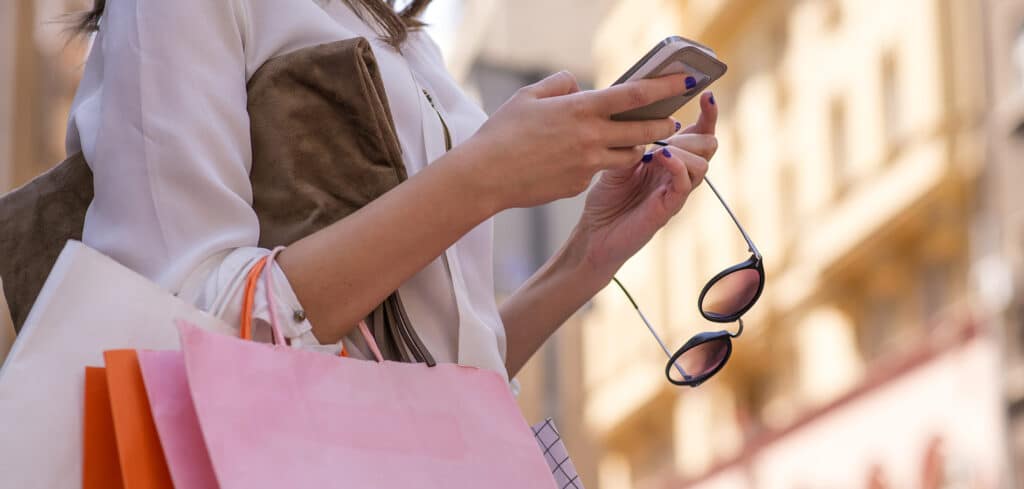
x=100, y=467
x=138, y=445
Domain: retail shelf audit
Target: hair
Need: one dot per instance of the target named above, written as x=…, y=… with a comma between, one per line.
x=395, y=24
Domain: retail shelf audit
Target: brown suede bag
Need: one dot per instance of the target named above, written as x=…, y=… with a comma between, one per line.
x=323, y=146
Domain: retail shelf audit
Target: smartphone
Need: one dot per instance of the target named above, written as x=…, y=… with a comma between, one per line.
x=672, y=56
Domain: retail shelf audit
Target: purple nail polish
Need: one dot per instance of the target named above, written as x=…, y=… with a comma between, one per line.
x=678, y=125
x=666, y=152
x=647, y=157
x=690, y=82
x=712, y=99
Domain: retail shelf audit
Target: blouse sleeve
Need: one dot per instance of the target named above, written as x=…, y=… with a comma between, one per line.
x=161, y=118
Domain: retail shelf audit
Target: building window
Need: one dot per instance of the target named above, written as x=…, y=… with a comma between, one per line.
x=782, y=96
x=778, y=42
x=877, y=478
x=833, y=14
x=892, y=122
x=879, y=327
x=935, y=472
x=934, y=283
x=839, y=148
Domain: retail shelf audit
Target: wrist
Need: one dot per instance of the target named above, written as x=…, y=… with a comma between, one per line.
x=577, y=260
x=474, y=178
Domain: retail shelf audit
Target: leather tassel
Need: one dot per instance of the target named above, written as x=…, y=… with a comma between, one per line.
x=412, y=340
x=385, y=341
x=395, y=335
x=397, y=331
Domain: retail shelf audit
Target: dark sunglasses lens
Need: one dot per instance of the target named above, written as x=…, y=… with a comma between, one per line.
x=700, y=361
x=732, y=293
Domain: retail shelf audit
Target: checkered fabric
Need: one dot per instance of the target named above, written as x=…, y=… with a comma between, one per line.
x=556, y=455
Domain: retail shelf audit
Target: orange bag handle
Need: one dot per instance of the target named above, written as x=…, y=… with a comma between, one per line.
x=248, y=301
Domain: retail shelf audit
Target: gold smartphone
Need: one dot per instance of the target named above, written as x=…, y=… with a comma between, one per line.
x=672, y=56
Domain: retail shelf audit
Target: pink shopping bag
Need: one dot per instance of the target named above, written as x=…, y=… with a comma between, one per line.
x=171, y=405
x=276, y=417
x=272, y=417
x=269, y=416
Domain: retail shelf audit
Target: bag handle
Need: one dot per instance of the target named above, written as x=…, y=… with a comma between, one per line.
x=248, y=304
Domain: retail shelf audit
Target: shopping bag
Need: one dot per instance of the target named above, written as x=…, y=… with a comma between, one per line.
x=171, y=404
x=89, y=304
x=556, y=455
x=101, y=468
x=139, y=395
x=138, y=446
x=272, y=417
x=276, y=417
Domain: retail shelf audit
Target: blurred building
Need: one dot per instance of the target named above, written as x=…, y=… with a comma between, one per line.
x=854, y=143
x=39, y=70
x=1000, y=240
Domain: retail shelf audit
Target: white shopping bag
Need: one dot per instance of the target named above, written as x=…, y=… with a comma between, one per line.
x=89, y=304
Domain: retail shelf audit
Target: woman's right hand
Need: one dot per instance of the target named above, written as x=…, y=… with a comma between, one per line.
x=546, y=143
x=550, y=139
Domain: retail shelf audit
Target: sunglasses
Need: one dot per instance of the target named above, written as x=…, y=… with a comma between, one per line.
x=724, y=299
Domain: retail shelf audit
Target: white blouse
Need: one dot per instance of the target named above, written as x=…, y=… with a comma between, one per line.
x=161, y=117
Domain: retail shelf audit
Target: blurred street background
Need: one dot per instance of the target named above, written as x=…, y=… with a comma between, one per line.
x=875, y=152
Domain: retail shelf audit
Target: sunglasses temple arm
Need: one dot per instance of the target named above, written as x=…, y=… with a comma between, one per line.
x=650, y=328
x=750, y=243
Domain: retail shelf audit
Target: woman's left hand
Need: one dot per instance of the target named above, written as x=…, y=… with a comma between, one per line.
x=626, y=207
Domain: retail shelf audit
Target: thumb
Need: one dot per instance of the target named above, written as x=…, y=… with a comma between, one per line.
x=708, y=116
x=561, y=83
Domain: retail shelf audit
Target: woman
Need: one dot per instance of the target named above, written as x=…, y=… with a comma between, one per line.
x=161, y=116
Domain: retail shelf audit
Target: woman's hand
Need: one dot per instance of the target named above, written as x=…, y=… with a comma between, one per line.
x=630, y=203
x=550, y=139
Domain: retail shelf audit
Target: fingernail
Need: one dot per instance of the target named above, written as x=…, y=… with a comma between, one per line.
x=666, y=152
x=690, y=82
x=647, y=158
x=679, y=125
x=712, y=99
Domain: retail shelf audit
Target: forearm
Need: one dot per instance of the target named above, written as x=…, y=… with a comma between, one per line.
x=548, y=299
x=343, y=271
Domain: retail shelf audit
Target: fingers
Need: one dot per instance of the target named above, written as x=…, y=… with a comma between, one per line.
x=708, y=116
x=620, y=158
x=634, y=94
x=561, y=83
x=634, y=133
x=692, y=166
x=687, y=169
x=703, y=145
